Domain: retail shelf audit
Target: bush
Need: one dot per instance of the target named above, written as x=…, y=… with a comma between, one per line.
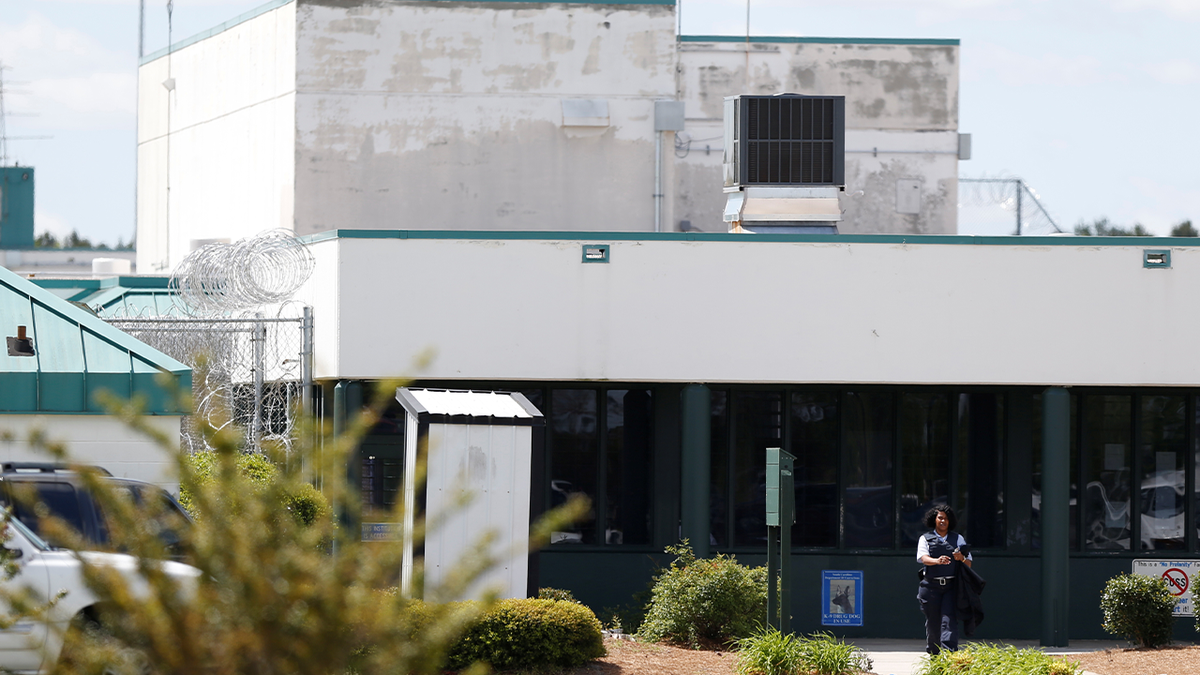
x=303, y=501
x=705, y=602
x=984, y=659
x=556, y=594
x=1138, y=608
x=1196, y=598
x=769, y=652
x=530, y=633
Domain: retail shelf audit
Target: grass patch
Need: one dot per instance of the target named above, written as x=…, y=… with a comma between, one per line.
x=769, y=652
x=985, y=659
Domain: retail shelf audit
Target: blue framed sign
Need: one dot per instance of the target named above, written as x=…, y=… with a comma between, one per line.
x=841, y=598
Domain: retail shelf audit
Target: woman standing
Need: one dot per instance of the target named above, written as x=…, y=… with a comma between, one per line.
x=938, y=550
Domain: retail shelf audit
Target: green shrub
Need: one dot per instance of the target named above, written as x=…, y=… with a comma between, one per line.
x=530, y=633
x=985, y=659
x=769, y=652
x=1138, y=608
x=826, y=655
x=556, y=594
x=705, y=602
x=1196, y=598
x=304, y=502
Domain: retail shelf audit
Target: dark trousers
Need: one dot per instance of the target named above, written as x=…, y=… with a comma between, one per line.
x=938, y=604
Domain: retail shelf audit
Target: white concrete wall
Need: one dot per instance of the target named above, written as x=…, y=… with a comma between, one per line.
x=749, y=310
x=95, y=439
x=448, y=115
x=901, y=124
x=224, y=139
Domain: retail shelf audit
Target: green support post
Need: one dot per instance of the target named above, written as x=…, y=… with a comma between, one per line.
x=696, y=442
x=347, y=402
x=781, y=510
x=1055, y=515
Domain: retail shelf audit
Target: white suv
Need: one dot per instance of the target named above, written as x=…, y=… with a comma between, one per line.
x=33, y=646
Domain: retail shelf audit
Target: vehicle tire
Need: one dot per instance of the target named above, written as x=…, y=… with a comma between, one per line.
x=90, y=649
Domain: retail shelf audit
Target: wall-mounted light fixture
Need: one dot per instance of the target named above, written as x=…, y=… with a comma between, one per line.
x=595, y=253
x=1156, y=259
x=20, y=345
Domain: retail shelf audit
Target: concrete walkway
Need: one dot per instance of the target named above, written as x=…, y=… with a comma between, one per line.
x=902, y=657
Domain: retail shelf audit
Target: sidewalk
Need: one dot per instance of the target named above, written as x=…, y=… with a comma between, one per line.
x=901, y=657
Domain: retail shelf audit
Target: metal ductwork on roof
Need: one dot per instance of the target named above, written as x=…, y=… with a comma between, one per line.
x=784, y=162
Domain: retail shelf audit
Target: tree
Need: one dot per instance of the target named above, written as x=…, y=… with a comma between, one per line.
x=74, y=240
x=46, y=240
x=1102, y=227
x=1184, y=229
x=275, y=594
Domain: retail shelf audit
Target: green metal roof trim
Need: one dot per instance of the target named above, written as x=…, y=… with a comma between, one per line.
x=76, y=355
x=762, y=39
x=123, y=296
x=275, y=4
x=929, y=239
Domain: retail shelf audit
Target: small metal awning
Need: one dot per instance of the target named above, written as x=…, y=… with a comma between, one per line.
x=494, y=407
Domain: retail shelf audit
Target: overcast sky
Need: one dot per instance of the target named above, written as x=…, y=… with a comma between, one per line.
x=1092, y=103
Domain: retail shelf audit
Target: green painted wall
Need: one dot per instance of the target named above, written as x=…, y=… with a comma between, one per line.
x=16, y=207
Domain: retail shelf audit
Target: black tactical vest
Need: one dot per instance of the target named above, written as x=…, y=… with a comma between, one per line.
x=938, y=549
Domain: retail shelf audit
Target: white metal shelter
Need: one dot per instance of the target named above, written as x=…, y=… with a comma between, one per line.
x=478, y=447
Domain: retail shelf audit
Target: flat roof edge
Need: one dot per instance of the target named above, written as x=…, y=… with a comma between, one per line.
x=766, y=39
x=928, y=239
x=215, y=30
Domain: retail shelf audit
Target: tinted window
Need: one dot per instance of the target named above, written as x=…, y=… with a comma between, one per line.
x=61, y=500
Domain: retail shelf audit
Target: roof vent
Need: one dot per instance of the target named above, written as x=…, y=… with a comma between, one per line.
x=20, y=345
x=784, y=162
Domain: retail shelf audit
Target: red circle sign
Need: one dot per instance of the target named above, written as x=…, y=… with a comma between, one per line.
x=1177, y=581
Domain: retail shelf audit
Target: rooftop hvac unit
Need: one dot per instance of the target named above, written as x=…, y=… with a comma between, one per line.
x=784, y=161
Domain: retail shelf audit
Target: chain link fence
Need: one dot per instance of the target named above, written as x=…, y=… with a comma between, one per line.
x=254, y=373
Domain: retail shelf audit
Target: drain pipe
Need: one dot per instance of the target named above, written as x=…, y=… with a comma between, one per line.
x=658, y=135
x=668, y=116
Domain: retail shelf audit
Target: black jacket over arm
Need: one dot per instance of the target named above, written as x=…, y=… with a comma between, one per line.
x=970, y=608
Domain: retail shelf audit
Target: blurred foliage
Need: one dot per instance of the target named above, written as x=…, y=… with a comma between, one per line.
x=307, y=504
x=274, y=594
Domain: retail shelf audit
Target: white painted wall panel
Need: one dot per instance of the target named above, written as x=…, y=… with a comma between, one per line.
x=754, y=311
x=96, y=439
x=490, y=465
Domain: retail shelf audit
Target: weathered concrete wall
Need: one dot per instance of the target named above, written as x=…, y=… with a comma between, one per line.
x=901, y=122
x=434, y=115
x=755, y=308
x=222, y=140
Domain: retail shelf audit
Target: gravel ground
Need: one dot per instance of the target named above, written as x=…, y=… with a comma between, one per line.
x=1180, y=660
x=635, y=658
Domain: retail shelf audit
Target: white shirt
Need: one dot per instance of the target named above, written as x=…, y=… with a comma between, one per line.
x=923, y=547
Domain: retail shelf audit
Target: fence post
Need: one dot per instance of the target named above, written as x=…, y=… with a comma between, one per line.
x=306, y=364
x=258, y=339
